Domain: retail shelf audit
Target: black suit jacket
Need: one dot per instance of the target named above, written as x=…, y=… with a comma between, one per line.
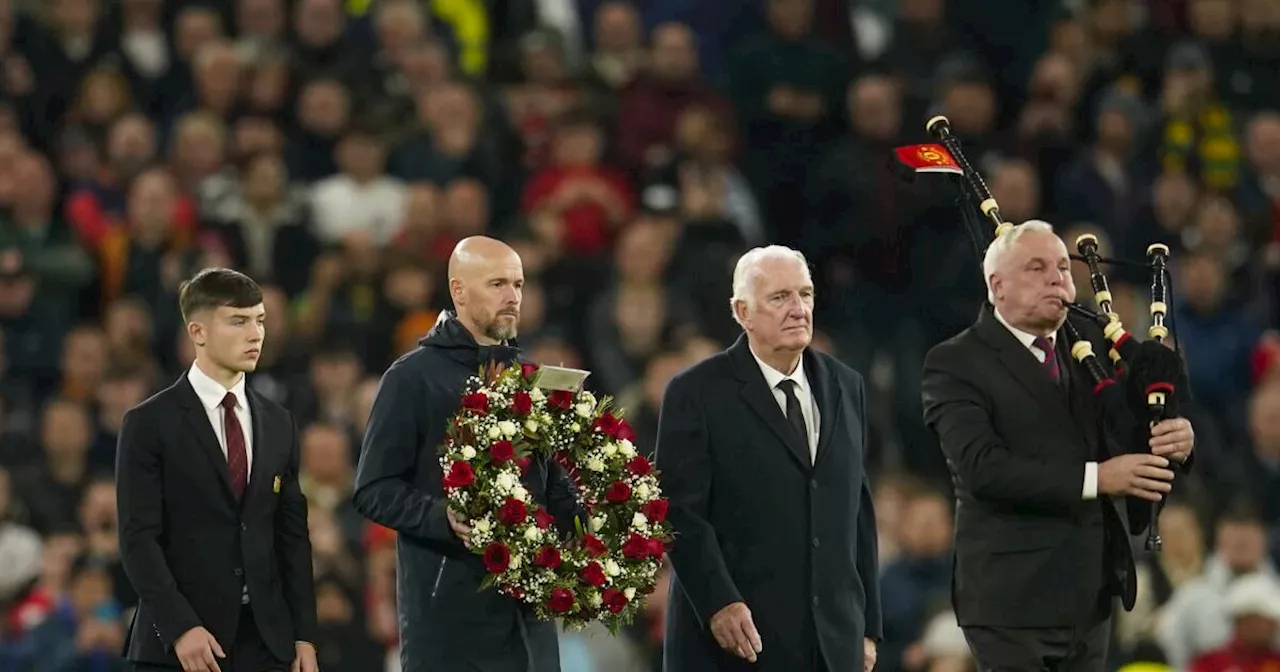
x=756, y=522
x=1030, y=551
x=189, y=547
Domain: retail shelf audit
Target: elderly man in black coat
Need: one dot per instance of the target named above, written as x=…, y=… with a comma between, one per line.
x=446, y=623
x=762, y=452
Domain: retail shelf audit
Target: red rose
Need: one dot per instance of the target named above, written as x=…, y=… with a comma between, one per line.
x=625, y=432
x=496, y=558
x=561, y=600
x=592, y=575
x=655, y=510
x=640, y=466
x=528, y=371
x=476, y=402
x=460, y=475
x=542, y=518
x=561, y=399
x=608, y=424
x=523, y=463
x=636, y=547
x=614, y=600
x=501, y=451
x=618, y=493
x=593, y=546
x=655, y=548
x=521, y=402
x=512, y=512
x=547, y=557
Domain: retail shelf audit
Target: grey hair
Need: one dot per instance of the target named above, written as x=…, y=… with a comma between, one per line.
x=747, y=271
x=999, y=250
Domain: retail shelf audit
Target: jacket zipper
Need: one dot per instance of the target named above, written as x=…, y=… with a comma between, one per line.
x=439, y=575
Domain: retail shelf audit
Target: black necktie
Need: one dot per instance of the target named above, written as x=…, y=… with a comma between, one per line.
x=795, y=416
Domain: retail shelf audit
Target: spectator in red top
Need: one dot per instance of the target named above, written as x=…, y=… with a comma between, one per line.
x=589, y=200
x=96, y=209
x=1253, y=601
x=649, y=108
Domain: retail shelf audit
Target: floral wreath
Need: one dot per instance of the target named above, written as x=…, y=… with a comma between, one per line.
x=601, y=573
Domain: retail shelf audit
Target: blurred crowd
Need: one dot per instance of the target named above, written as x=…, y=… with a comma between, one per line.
x=336, y=150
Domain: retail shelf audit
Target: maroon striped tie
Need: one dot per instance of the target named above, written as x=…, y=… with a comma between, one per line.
x=1050, y=363
x=237, y=455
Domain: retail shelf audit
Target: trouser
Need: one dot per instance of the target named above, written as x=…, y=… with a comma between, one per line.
x=1081, y=649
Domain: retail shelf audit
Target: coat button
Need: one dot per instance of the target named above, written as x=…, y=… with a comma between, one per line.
x=237, y=571
x=813, y=484
x=815, y=600
x=244, y=528
x=815, y=542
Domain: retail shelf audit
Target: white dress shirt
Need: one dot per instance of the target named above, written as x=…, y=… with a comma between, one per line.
x=211, y=393
x=1090, y=489
x=808, y=406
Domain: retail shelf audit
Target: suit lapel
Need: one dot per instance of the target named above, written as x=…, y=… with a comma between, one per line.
x=1080, y=391
x=1024, y=367
x=258, y=476
x=197, y=419
x=826, y=394
x=755, y=391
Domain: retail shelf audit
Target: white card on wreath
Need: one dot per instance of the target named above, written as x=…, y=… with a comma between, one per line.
x=561, y=378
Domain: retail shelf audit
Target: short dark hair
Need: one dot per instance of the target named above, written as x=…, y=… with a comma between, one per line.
x=215, y=288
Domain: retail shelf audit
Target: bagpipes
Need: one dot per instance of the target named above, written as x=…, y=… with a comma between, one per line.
x=1145, y=377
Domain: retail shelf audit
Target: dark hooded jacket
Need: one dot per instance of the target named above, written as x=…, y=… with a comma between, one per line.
x=446, y=622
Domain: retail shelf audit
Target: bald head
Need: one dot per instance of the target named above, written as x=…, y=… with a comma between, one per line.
x=486, y=282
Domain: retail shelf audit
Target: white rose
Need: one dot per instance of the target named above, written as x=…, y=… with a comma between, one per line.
x=597, y=522
x=505, y=482
x=587, y=397
x=508, y=428
x=532, y=533
x=595, y=600
x=494, y=432
x=611, y=568
x=519, y=492
x=584, y=409
x=575, y=428
x=515, y=562
x=630, y=593
x=482, y=526
x=639, y=521
x=531, y=426
x=595, y=464
x=536, y=394
x=642, y=492
x=627, y=449
x=610, y=449
x=468, y=453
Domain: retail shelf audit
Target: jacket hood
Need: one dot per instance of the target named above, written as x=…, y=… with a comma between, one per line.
x=449, y=336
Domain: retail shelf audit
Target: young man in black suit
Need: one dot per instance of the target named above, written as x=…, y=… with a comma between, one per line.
x=213, y=525
x=1040, y=548
x=762, y=451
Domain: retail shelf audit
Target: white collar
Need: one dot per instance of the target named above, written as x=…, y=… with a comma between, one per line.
x=211, y=392
x=773, y=376
x=1023, y=337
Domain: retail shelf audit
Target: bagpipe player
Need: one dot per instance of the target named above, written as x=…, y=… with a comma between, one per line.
x=1041, y=544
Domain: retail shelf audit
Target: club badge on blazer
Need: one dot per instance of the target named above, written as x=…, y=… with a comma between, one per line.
x=275, y=485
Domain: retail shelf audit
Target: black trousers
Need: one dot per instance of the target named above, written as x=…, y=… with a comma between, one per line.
x=247, y=654
x=1082, y=649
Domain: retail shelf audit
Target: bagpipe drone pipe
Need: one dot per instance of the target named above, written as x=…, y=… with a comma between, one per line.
x=1145, y=381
